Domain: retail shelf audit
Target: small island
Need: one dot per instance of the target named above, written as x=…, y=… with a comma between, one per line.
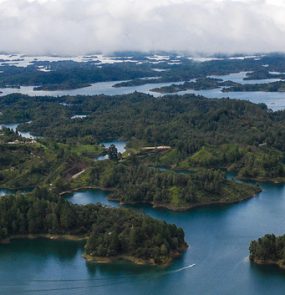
x=278, y=86
x=197, y=84
x=110, y=234
x=61, y=86
x=268, y=250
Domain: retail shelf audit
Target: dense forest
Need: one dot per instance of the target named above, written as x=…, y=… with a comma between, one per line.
x=70, y=147
x=109, y=232
x=201, y=139
x=132, y=181
x=234, y=135
x=268, y=250
x=26, y=164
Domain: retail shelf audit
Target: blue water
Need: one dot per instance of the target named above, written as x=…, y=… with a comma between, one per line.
x=5, y=192
x=218, y=236
x=91, y=197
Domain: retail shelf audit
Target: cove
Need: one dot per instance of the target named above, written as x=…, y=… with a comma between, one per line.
x=219, y=237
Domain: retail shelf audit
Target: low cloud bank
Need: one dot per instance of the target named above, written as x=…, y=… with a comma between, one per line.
x=72, y=27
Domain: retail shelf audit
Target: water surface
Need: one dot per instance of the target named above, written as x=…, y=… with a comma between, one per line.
x=274, y=100
x=218, y=236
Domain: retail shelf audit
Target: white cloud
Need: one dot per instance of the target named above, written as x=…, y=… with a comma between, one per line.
x=82, y=26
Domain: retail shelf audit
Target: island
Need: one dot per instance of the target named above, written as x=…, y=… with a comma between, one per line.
x=140, y=69
x=268, y=250
x=278, y=86
x=110, y=234
x=61, y=86
x=199, y=84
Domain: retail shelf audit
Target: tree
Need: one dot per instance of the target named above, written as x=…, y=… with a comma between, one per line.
x=112, y=152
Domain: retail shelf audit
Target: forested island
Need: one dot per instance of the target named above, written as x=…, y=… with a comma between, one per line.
x=265, y=73
x=278, y=86
x=198, y=84
x=62, y=86
x=268, y=250
x=225, y=86
x=110, y=234
x=137, y=69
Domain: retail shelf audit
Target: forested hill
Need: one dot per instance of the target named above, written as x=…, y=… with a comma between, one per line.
x=170, y=120
x=237, y=135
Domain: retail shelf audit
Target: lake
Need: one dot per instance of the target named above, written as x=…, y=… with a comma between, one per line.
x=274, y=100
x=219, y=237
x=14, y=128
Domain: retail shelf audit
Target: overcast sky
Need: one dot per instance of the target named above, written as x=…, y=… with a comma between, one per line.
x=73, y=27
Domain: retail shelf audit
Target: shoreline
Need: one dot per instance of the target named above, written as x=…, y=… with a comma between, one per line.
x=269, y=262
x=56, y=237
x=160, y=205
x=98, y=259
x=138, y=261
x=261, y=180
x=81, y=188
x=186, y=207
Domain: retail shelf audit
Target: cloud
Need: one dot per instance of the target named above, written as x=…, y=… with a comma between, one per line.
x=72, y=27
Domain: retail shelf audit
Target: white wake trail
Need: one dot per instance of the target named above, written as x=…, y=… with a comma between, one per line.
x=183, y=268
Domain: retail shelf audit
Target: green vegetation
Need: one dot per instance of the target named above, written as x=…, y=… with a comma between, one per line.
x=132, y=181
x=268, y=250
x=261, y=163
x=207, y=137
x=109, y=232
x=27, y=163
x=235, y=135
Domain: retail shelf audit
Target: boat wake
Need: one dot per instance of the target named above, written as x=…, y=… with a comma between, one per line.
x=182, y=268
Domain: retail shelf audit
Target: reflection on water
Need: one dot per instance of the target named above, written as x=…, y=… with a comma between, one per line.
x=91, y=197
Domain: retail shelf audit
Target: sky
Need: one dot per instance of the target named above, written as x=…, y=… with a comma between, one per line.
x=76, y=27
